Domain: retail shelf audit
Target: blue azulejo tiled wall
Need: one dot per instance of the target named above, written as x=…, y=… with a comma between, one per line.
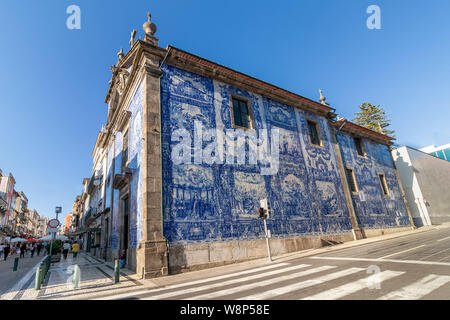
x=219, y=202
x=135, y=162
x=372, y=208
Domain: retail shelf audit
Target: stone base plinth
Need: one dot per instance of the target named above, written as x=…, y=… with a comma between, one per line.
x=184, y=258
x=151, y=259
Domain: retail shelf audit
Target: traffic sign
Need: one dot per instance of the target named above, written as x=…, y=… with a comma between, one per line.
x=58, y=210
x=52, y=229
x=53, y=223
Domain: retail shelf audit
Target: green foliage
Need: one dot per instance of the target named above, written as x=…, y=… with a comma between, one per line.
x=374, y=118
x=57, y=245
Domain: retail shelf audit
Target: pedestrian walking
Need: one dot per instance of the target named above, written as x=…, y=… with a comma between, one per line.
x=75, y=249
x=2, y=246
x=23, y=250
x=66, y=248
x=39, y=248
x=33, y=248
x=6, y=251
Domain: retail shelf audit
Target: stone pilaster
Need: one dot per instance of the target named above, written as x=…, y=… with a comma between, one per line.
x=152, y=260
x=357, y=234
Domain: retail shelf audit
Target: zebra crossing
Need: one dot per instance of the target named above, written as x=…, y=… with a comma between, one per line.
x=282, y=280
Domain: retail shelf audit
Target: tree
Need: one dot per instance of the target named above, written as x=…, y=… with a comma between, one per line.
x=374, y=118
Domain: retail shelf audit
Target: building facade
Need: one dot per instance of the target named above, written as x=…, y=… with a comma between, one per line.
x=442, y=152
x=7, y=183
x=190, y=149
x=426, y=181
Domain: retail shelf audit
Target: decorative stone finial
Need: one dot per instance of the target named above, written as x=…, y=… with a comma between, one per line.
x=380, y=128
x=120, y=54
x=133, y=35
x=322, y=98
x=149, y=27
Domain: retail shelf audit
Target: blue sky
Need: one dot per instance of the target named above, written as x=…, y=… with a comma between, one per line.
x=54, y=80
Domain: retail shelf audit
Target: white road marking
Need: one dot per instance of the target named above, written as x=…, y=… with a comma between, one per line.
x=386, y=260
x=352, y=287
x=394, y=254
x=186, y=284
x=301, y=285
x=260, y=284
x=418, y=289
x=435, y=253
x=444, y=239
x=226, y=283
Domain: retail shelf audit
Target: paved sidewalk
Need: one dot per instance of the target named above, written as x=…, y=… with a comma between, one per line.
x=96, y=275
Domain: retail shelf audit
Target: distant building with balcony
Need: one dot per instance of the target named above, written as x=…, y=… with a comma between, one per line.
x=7, y=183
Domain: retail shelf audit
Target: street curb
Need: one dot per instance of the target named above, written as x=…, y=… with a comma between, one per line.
x=351, y=244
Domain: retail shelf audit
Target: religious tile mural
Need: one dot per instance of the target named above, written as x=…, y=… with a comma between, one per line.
x=373, y=209
x=135, y=162
x=219, y=201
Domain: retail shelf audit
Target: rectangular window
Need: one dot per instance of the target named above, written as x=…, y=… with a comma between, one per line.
x=351, y=180
x=241, y=113
x=359, y=147
x=125, y=150
x=314, y=133
x=383, y=183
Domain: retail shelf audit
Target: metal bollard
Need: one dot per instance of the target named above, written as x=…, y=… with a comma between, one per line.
x=16, y=264
x=76, y=277
x=116, y=271
x=38, y=278
x=45, y=266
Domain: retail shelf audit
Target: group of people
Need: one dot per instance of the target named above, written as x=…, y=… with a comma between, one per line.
x=20, y=249
x=75, y=247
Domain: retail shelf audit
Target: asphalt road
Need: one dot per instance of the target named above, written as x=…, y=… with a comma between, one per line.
x=410, y=267
x=8, y=277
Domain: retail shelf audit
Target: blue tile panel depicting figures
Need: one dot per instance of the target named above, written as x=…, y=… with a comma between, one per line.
x=134, y=163
x=219, y=202
x=373, y=209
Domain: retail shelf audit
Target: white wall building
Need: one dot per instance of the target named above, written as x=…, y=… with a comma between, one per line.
x=425, y=179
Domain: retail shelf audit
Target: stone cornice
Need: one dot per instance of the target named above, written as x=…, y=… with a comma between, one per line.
x=189, y=62
x=142, y=57
x=357, y=130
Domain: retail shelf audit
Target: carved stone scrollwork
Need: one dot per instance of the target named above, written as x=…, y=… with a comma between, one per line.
x=123, y=75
